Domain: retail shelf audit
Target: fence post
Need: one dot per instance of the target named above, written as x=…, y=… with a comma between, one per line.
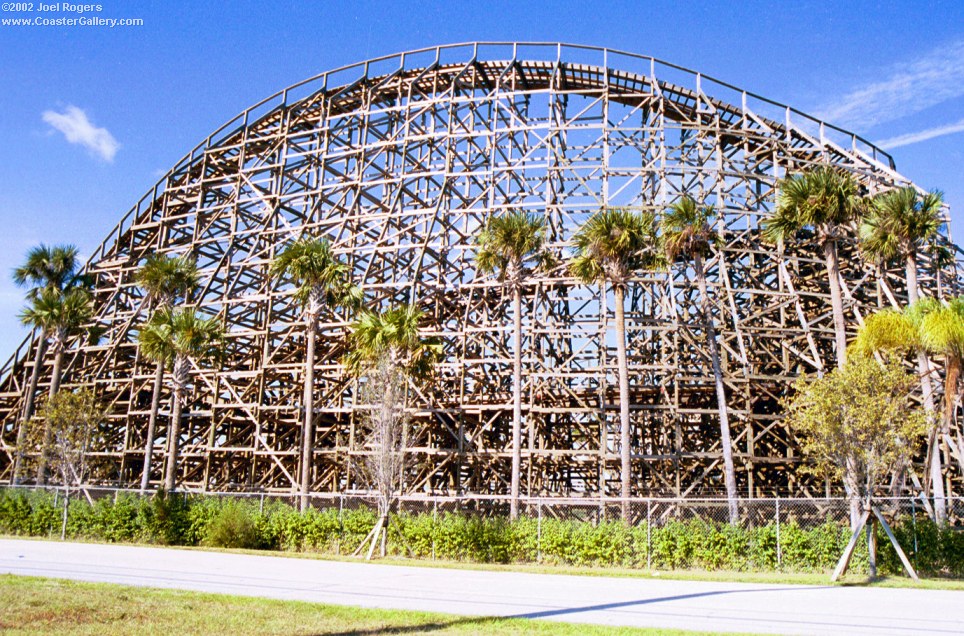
x=779, y=546
x=434, y=524
x=649, y=525
x=913, y=524
x=341, y=524
x=539, y=534
x=261, y=506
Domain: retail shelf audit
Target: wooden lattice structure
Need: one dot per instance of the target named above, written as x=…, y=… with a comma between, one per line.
x=399, y=161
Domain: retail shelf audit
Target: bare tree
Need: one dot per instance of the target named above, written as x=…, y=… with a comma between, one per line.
x=64, y=437
x=380, y=463
x=387, y=351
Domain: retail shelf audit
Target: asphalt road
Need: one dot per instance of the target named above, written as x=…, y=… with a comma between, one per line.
x=742, y=607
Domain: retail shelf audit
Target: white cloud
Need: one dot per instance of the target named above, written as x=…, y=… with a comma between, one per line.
x=78, y=129
x=921, y=135
x=907, y=88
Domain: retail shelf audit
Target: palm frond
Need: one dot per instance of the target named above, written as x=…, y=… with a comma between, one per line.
x=52, y=309
x=686, y=229
x=782, y=225
x=900, y=222
x=181, y=332
x=823, y=198
x=941, y=255
x=877, y=244
x=586, y=269
x=916, y=312
x=886, y=331
x=511, y=242
x=167, y=278
x=942, y=332
x=47, y=267
x=394, y=331
x=613, y=243
x=316, y=271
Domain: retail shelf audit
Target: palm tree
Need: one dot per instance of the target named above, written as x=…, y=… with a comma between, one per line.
x=48, y=268
x=686, y=234
x=610, y=246
x=826, y=200
x=511, y=246
x=323, y=282
x=164, y=279
x=940, y=329
x=886, y=330
x=176, y=338
x=58, y=315
x=898, y=225
x=45, y=267
x=392, y=334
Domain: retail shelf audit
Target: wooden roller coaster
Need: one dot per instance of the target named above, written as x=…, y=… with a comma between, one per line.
x=399, y=161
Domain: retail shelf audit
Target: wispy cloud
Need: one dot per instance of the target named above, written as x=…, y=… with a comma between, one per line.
x=78, y=129
x=921, y=135
x=907, y=88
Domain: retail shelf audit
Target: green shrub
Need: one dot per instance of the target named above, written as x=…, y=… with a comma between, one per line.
x=354, y=527
x=413, y=535
x=164, y=519
x=30, y=513
x=231, y=526
x=117, y=518
x=195, y=520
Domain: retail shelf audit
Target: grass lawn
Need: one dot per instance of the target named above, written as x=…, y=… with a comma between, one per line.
x=52, y=606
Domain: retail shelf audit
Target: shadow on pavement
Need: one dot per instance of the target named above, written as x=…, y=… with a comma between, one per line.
x=481, y=620
x=646, y=601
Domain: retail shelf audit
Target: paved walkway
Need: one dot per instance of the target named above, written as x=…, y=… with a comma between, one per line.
x=743, y=607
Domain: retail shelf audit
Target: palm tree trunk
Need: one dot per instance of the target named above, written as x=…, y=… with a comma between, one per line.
x=55, y=374
x=38, y=362
x=913, y=291
x=624, y=437
x=927, y=387
x=28, y=407
x=836, y=300
x=951, y=381
x=180, y=377
x=307, y=445
x=54, y=387
x=174, y=442
x=729, y=473
x=152, y=426
x=516, y=400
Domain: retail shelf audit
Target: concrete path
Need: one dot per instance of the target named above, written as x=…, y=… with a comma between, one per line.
x=742, y=607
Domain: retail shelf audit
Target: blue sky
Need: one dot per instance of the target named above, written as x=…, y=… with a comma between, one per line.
x=90, y=117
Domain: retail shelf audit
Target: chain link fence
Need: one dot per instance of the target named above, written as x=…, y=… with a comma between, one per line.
x=773, y=533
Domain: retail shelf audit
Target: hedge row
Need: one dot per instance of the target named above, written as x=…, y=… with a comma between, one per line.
x=695, y=544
